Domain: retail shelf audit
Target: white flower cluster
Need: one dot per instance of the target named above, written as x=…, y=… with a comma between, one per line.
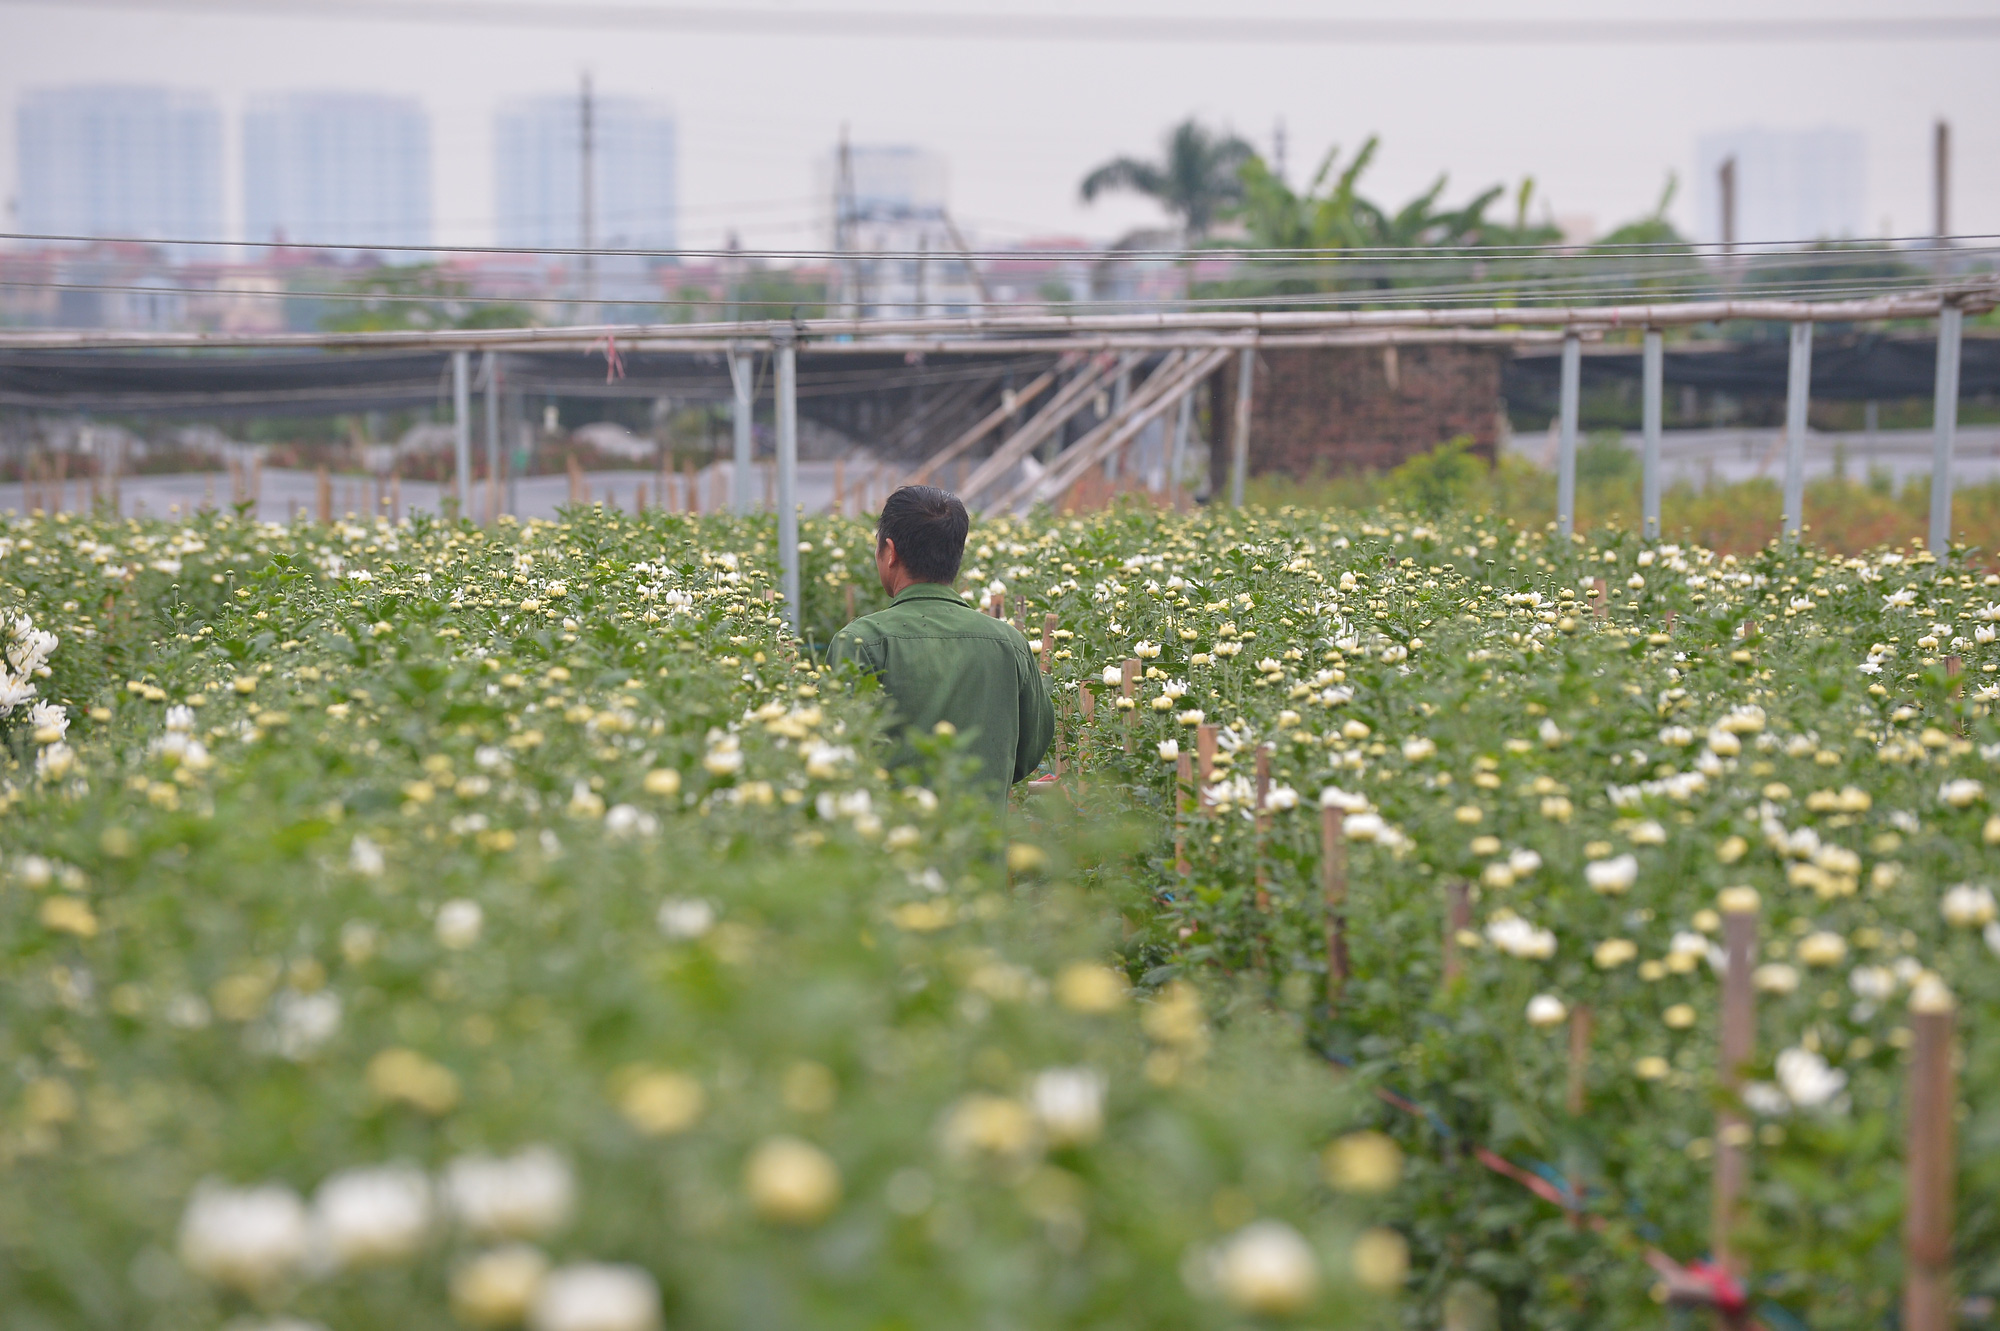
x=23, y=659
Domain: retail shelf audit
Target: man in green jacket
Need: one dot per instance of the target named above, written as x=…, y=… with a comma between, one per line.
x=940, y=659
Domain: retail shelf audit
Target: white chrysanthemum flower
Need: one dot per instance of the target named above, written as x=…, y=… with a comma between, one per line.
x=1612, y=876
x=1547, y=1010
x=1962, y=792
x=1807, y=1080
x=1968, y=907
x=1268, y=1268
x=247, y=1239
x=1069, y=1102
x=1170, y=750
x=365, y=857
x=371, y=1216
x=458, y=923
x=522, y=1196
x=301, y=1024
x=684, y=918
x=592, y=1296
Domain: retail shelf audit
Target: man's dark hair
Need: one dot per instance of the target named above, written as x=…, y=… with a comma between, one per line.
x=928, y=526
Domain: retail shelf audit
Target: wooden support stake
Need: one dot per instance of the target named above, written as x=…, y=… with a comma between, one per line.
x=1602, y=605
x=849, y=589
x=575, y=481
x=1128, y=686
x=1048, y=643
x=693, y=483
x=1263, y=791
x=839, y=488
x=1086, y=701
x=1204, y=753
x=1457, y=918
x=1739, y=1036
x=996, y=605
x=1183, y=805
x=1930, y=1161
x=1333, y=891
x=1579, y=1061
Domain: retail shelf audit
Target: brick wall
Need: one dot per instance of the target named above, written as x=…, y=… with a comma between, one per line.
x=1317, y=410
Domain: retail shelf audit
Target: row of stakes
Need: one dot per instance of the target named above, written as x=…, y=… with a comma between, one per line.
x=1931, y=1081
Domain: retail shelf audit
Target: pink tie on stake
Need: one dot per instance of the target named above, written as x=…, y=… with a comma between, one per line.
x=614, y=364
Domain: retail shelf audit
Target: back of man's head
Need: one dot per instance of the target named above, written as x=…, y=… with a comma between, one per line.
x=928, y=526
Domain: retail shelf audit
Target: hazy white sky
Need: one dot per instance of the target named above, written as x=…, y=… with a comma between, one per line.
x=1021, y=121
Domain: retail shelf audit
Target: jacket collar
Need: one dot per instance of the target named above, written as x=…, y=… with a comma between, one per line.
x=929, y=591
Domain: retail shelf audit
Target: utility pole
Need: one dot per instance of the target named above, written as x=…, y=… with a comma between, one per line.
x=1727, y=178
x=1278, y=149
x=843, y=228
x=586, y=176
x=1941, y=185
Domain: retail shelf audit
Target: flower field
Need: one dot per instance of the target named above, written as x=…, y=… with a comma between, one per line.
x=435, y=926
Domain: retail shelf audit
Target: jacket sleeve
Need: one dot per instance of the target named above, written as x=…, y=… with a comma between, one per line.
x=1038, y=719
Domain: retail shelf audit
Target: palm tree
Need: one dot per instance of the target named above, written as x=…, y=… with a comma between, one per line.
x=1196, y=180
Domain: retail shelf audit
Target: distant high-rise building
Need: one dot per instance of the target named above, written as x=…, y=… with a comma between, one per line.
x=120, y=161
x=1791, y=185
x=538, y=157
x=889, y=200
x=337, y=168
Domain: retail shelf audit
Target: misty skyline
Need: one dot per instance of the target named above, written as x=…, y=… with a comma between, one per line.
x=1020, y=121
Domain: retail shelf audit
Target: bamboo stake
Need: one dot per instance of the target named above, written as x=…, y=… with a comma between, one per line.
x=1579, y=1060
x=325, y=496
x=1333, y=891
x=1457, y=918
x=575, y=481
x=1183, y=806
x=996, y=605
x=839, y=487
x=1087, y=702
x=1601, y=605
x=1048, y=642
x=1204, y=750
x=849, y=589
x=1739, y=1035
x=1930, y=1162
x=1263, y=825
x=1128, y=685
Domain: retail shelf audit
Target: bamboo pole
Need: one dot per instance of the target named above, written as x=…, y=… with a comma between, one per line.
x=985, y=426
x=849, y=589
x=325, y=496
x=1738, y=1043
x=1333, y=892
x=1204, y=749
x=1071, y=398
x=1048, y=643
x=1183, y=807
x=1263, y=825
x=840, y=487
x=1930, y=1161
x=863, y=336
x=1128, y=686
x=1457, y=917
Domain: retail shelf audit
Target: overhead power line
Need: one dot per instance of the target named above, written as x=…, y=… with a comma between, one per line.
x=1062, y=26
x=1557, y=250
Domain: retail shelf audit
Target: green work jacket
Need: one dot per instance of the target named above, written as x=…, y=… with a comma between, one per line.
x=941, y=660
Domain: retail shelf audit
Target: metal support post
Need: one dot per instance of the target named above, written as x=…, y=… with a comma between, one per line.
x=1653, y=378
x=1177, y=455
x=461, y=427
x=1798, y=391
x=1944, y=424
x=491, y=370
x=742, y=380
x=1572, y=378
x=1239, y=444
x=788, y=475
